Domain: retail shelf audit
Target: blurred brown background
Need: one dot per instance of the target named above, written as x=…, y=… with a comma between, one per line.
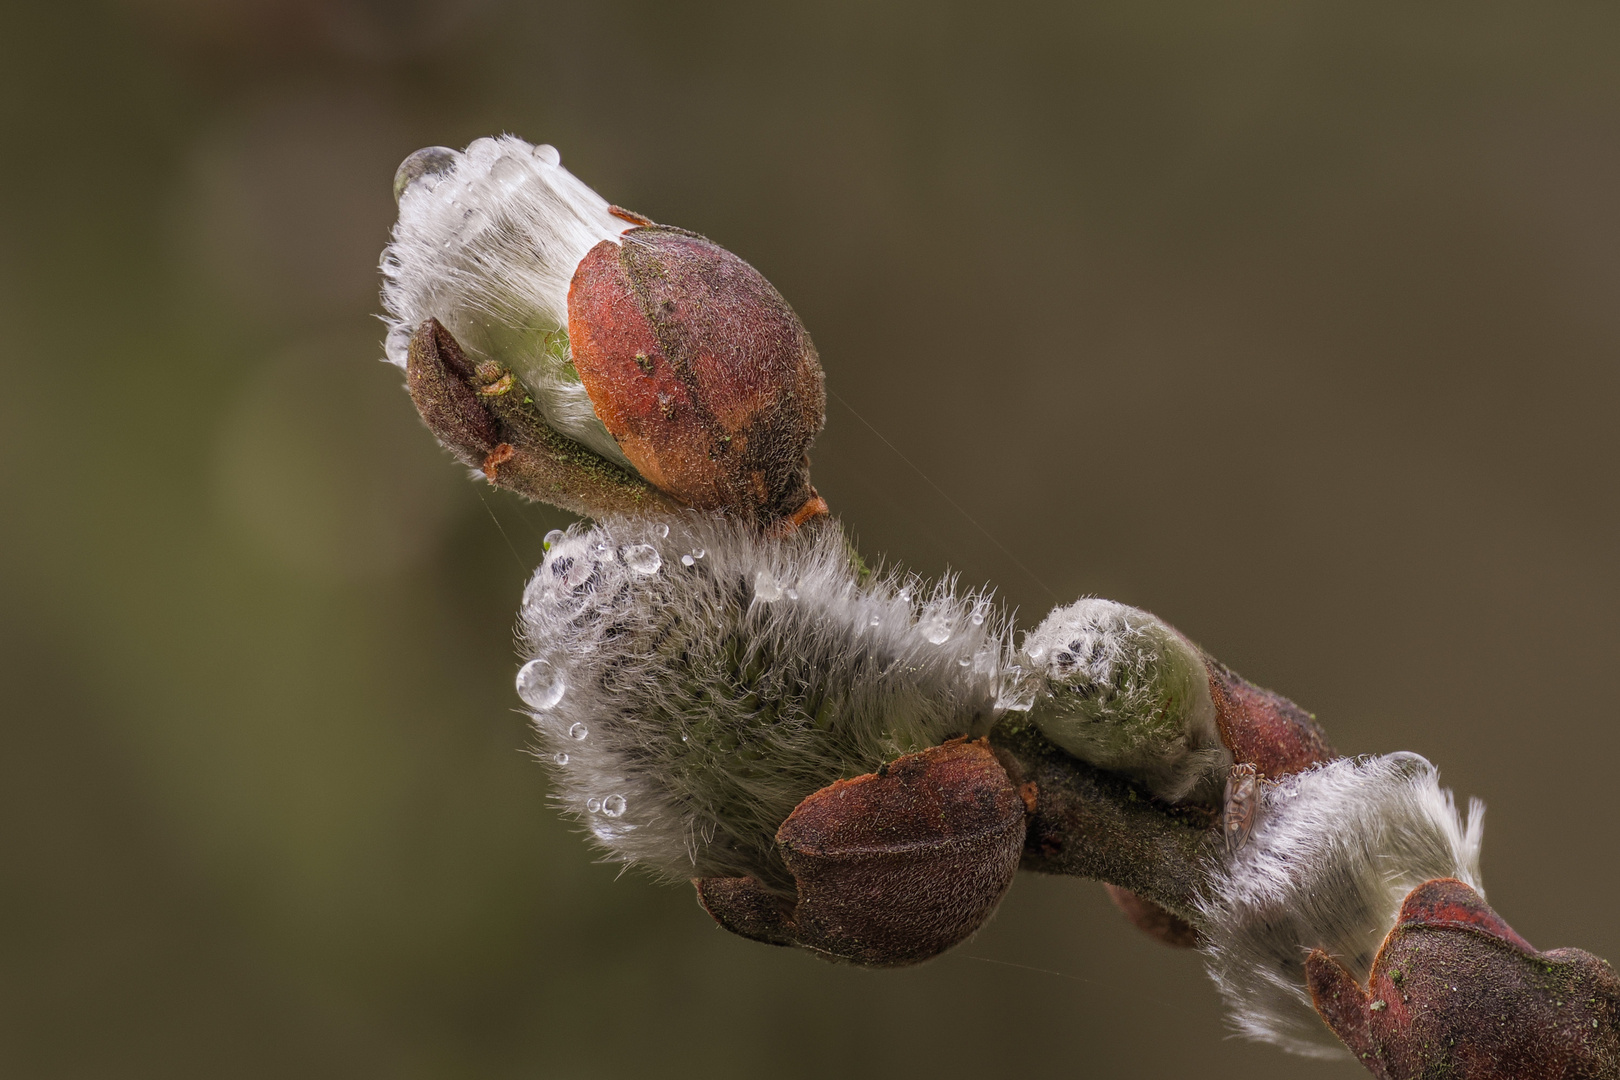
x=1296, y=323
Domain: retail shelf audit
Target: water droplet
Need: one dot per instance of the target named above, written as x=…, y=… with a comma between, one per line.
x=510, y=172
x=553, y=538
x=766, y=588
x=473, y=222
x=430, y=165
x=966, y=661
x=613, y=805
x=660, y=530
x=602, y=551
x=539, y=592
x=1036, y=652
x=540, y=684
x=698, y=553
x=905, y=594
x=578, y=732
x=561, y=759
x=876, y=621
x=977, y=618
x=547, y=153
x=642, y=558
x=792, y=594
x=577, y=572
x=593, y=805
x=1016, y=692
x=687, y=560
x=936, y=630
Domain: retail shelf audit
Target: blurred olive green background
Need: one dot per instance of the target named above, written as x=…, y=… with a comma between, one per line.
x=1296, y=323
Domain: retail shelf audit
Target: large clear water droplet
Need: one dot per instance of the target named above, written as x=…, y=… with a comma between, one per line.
x=935, y=629
x=578, y=732
x=540, y=684
x=766, y=588
x=643, y=558
x=593, y=805
x=613, y=805
x=553, y=538
x=430, y=165
x=660, y=530
x=698, y=553
x=547, y=153
x=560, y=759
x=687, y=560
x=509, y=172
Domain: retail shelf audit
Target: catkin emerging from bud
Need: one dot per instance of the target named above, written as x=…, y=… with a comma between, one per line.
x=1335, y=851
x=692, y=681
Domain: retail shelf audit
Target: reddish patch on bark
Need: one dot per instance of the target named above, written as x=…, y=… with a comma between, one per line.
x=496, y=458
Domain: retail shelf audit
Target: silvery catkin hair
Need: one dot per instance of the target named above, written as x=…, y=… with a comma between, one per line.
x=691, y=681
x=486, y=242
x=1335, y=851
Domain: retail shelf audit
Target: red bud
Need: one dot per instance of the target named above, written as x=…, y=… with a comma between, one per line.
x=700, y=371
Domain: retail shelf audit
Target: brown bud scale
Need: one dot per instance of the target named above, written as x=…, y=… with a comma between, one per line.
x=891, y=868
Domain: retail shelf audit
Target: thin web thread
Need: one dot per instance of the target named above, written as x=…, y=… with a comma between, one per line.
x=522, y=566
x=1020, y=967
x=942, y=494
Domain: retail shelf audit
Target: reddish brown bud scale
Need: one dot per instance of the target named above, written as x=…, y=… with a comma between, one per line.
x=748, y=909
x=700, y=371
x=1262, y=728
x=1153, y=920
x=476, y=415
x=438, y=376
x=1455, y=992
x=893, y=867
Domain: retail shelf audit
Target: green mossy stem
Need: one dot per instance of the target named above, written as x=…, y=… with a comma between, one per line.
x=1094, y=824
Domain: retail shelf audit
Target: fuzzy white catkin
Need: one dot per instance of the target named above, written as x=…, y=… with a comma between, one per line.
x=1335, y=852
x=487, y=242
x=695, y=681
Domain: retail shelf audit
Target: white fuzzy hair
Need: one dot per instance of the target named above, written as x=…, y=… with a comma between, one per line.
x=1334, y=853
x=1125, y=692
x=487, y=242
x=703, y=697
